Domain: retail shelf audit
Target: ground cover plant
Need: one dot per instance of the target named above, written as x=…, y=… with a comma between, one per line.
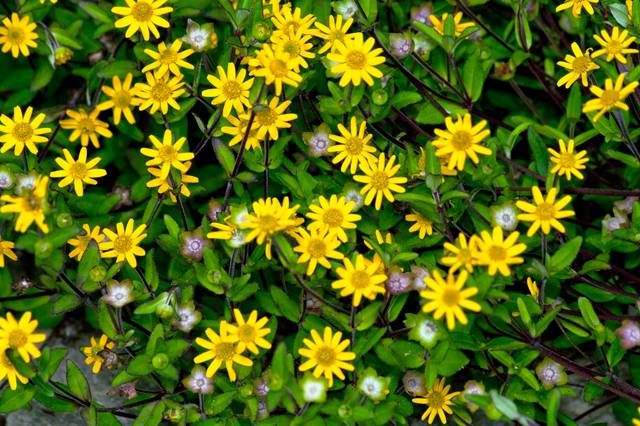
x=348, y=212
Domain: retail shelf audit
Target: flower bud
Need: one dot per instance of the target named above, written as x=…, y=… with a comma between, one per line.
x=261, y=387
x=629, y=334
x=421, y=13
x=109, y=358
x=62, y=55
x=401, y=45
x=379, y=97
x=373, y=386
x=198, y=382
x=127, y=390
x=346, y=8
x=261, y=31
x=414, y=383
x=425, y=331
x=213, y=209
x=6, y=178
x=43, y=248
x=64, y=220
x=471, y=387
x=160, y=361
x=551, y=373
x=398, y=283
x=418, y=276
x=118, y=293
x=98, y=273
x=175, y=414
x=503, y=71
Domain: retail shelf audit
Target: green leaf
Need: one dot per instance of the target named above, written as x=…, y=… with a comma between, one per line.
x=574, y=104
x=156, y=335
x=118, y=68
x=524, y=312
x=77, y=382
x=172, y=226
x=151, y=414
x=13, y=400
x=553, y=404
x=289, y=308
x=217, y=404
x=473, y=76
x=65, y=303
x=588, y=313
x=564, y=257
x=281, y=365
x=140, y=365
x=370, y=8
x=90, y=259
x=42, y=77
x=403, y=99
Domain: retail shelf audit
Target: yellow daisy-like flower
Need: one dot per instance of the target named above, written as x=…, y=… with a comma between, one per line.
x=178, y=187
x=8, y=371
x=545, y=212
x=327, y=355
x=160, y=92
x=95, y=353
x=86, y=126
x=460, y=140
x=497, y=253
x=334, y=216
x=222, y=349
x=22, y=132
x=121, y=98
x=579, y=67
x=29, y=206
x=18, y=35
x=295, y=47
x=5, y=250
x=636, y=422
x=168, y=58
x=356, y=60
x=238, y=128
x=142, y=15
x=230, y=88
x=79, y=172
x=361, y=278
x=123, y=244
x=20, y=336
x=422, y=225
x=317, y=247
x=438, y=23
x=274, y=66
x=567, y=162
x=166, y=154
x=459, y=256
x=285, y=19
x=533, y=288
x=381, y=239
x=270, y=117
x=610, y=98
x=336, y=31
x=438, y=401
x=352, y=146
x=249, y=333
x=629, y=4
x=448, y=298
x=81, y=242
x=576, y=6
x=267, y=217
x=380, y=180
x=614, y=45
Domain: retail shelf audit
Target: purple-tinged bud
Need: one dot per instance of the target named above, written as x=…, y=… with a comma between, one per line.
x=398, y=283
x=629, y=334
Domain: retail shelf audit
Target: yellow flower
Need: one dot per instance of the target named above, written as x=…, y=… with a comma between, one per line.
x=629, y=4
x=5, y=250
x=380, y=180
x=168, y=58
x=160, y=92
x=122, y=98
x=237, y=130
x=18, y=35
x=438, y=401
x=230, y=88
x=381, y=239
x=336, y=31
x=223, y=231
x=545, y=212
x=361, y=278
x=166, y=183
x=30, y=206
x=567, y=162
x=327, y=355
x=317, y=248
x=81, y=242
x=448, y=298
x=612, y=97
x=221, y=349
x=142, y=15
x=270, y=117
x=614, y=45
x=460, y=140
x=166, y=154
x=268, y=217
x=636, y=422
x=497, y=253
x=285, y=20
x=94, y=353
x=79, y=172
x=21, y=131
x=576, y=6
x=86, y=126
x=20, y=336
x=123, y=244
x=352, y=146
x=459, y=256
x=9, y=371
x=333, y=215
x=295, y=48
x=356, y=60
x=533, y=288
x=422, y=225
x=249, y=333
x=438, y=24
x=579, y=66
x=274, y=66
